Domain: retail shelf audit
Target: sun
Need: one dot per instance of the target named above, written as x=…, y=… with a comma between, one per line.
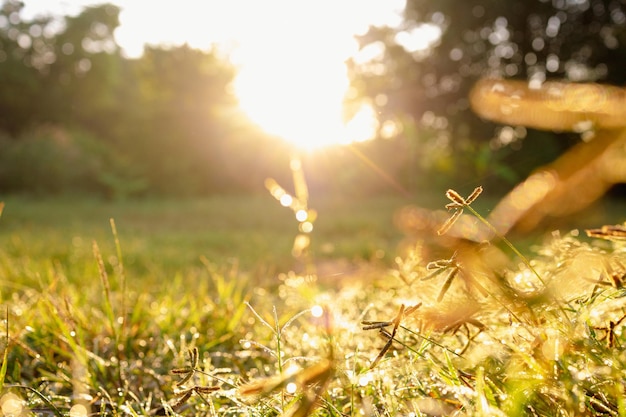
x=292, y=78
x=302, y=101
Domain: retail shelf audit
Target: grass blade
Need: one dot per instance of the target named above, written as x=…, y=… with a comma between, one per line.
x=121, y=271
x=446, y=285
x=104, y=278
x=5, y=356
x=261, y=319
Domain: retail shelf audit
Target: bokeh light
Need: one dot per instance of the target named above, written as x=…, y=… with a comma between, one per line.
x=317, y=311
x=11, y=405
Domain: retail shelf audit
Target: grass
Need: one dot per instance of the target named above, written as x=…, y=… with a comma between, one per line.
x=199, y=315
x=161, y=237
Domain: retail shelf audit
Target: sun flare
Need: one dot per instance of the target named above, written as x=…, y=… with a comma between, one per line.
x=302, y=104
x=293, y=79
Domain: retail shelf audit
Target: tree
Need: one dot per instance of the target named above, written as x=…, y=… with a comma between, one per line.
x=181, y=115
x=163, y=119
x=57, y=70
x=88, y=70
x=20, y=65
x=536, y=40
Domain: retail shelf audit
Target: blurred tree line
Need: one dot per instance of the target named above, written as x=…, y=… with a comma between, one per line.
x=77, y=116
x=419, y=74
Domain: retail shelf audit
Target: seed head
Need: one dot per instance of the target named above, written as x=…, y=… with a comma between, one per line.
x=455, y=197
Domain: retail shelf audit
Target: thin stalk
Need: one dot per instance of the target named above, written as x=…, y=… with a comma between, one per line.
x=279, y=356
x=122, y=275
x=505, y=240
x=427, y=339
x=5, y=356
x=53, y=408
x=278, y=331
x=104, y=278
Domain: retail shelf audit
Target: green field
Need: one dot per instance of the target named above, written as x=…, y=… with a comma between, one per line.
x=494, y=334
x=162, y=237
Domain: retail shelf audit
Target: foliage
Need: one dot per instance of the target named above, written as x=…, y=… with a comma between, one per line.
x=50, y=160
x=182, y=96
x=412, y=82
x=170, y=124
x=57, y=76
x=168, y=120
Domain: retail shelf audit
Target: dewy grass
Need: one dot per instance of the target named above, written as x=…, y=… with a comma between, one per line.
x=459, y=203
x=193, y=344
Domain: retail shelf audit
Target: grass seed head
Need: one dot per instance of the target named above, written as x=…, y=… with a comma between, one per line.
x=205, y=390
x=609, y=232
x=184, y=397
x=474, y=195
x=455, y=197
x=183, y=370
x=449, y=222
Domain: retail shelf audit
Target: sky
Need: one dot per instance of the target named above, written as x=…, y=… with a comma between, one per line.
x=203, y=22
x=291, y=53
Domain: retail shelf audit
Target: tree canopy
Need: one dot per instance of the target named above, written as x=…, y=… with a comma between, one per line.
x=427, y=84
x=578, y=40
x=75, y=113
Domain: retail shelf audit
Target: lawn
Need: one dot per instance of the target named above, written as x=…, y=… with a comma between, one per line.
x=161, y=237
x=198, y=311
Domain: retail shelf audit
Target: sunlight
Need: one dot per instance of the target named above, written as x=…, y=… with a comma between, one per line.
x=280, y=97
x=293, y=79
x=291, y=55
